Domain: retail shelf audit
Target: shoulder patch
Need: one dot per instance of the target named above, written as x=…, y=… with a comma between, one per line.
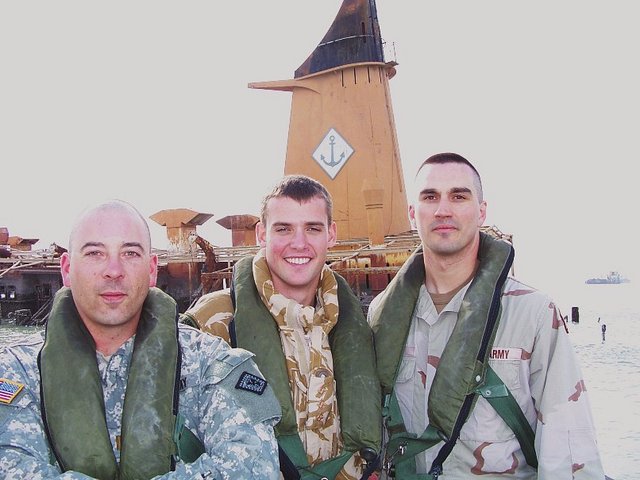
x=9, y=390
x=251, y=383
x=248, y=388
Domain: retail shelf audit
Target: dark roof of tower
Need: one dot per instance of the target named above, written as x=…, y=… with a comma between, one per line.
x=354, y=37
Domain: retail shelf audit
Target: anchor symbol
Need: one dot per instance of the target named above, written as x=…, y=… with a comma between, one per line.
x=333, y=162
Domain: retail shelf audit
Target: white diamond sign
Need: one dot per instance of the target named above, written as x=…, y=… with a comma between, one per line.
x=332, y=153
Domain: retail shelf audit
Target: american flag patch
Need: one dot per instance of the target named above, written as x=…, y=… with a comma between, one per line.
x=9, y=390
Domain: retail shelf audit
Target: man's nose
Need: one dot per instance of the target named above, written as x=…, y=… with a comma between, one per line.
x=299, y=239
x=444, y=208
x=114, y=267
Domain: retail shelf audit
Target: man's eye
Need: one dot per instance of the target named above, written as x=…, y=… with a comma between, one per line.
x=314, y=229
x=281, y=229
x=131, y=253
x=92, y=253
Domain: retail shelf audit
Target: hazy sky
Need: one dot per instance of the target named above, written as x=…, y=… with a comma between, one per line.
x=148, y=102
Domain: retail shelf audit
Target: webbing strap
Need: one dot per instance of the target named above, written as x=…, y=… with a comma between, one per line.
x=500, y=398
x=404, y=446
x=292, y=446
x=188, y=445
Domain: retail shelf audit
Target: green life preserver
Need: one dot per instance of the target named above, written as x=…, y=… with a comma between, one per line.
x=462, y=367
x=72, y=398
x=353, y=362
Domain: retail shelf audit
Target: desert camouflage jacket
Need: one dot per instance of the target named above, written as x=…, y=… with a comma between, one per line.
x=304, y=333
x=533, y=356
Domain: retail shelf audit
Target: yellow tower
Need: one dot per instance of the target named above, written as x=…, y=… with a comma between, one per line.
x=342, y=130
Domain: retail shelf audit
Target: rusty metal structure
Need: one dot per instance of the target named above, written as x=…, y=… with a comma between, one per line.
x=342, y=133
x=367, y=268
x=29, y=279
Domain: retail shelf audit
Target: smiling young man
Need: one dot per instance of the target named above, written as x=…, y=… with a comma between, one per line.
x=308, y=332
x=477, y=369
x=116, y=388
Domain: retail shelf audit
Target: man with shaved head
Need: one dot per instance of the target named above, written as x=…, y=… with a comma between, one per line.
x=116, y=388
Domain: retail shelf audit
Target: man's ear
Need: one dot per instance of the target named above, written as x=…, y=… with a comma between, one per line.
x=483, y=213
x=333, y=234
x=412, y=216
x=65, y=265
x=261, y=234
x=153, y=271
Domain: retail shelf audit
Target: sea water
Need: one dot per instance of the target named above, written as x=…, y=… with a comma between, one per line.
x=11, y=333
x=610, y=366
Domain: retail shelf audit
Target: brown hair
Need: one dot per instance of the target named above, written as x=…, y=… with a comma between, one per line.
x=300, y=188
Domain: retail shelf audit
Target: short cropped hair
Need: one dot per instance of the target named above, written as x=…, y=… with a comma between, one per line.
x=300, y=188
x=448, y=157
x=114, y=204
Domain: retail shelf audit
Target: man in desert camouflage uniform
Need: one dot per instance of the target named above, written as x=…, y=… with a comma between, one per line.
x=298, y=294
x=119, y=389
x=477, y=367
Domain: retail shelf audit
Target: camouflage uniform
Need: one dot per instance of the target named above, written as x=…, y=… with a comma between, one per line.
x=236, y=430
x=533, y=356
x=304, y=334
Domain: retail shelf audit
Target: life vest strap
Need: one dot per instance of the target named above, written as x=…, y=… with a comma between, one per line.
x=293, y=448
x=188, y=445
x=500, y=398
x=403, y=445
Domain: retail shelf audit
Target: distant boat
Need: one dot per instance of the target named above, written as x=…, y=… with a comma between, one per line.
x=612, y=278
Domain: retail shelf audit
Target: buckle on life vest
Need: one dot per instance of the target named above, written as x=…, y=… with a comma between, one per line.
x=388, y=465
